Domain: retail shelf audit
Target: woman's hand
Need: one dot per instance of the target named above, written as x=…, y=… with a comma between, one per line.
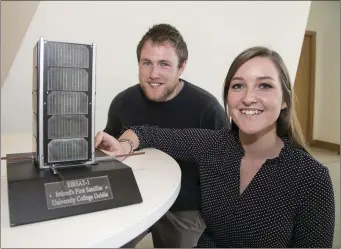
x=111, y=145
x=114, y=147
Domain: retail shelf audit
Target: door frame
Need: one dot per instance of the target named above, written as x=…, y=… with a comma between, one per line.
x=310, y=128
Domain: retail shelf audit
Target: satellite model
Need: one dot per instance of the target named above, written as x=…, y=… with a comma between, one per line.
x=65, y=175
x=64, y=91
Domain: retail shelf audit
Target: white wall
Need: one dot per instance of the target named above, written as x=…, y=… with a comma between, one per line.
x=15, y=19
x=324, y=18
x=215, y=33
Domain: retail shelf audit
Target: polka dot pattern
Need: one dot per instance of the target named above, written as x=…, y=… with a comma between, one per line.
x=289, y=202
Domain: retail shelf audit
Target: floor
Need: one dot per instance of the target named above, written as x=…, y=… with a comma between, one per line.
x=329, y=159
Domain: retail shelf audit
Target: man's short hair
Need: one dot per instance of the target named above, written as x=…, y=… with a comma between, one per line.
x=160, y=34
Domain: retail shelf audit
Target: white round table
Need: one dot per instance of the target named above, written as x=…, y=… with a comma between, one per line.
x=158, y=177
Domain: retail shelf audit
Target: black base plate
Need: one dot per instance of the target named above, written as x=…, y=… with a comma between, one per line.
x=36, y=195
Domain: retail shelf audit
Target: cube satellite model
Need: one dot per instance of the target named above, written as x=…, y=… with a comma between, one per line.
x=64, y=91
x=64, y=156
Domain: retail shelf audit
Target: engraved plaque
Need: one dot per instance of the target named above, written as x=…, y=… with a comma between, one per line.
x=77, y=192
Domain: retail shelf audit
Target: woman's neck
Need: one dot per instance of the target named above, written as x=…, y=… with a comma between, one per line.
x=266, y=145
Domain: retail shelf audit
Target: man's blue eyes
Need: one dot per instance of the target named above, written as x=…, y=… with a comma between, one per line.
x=162, y=64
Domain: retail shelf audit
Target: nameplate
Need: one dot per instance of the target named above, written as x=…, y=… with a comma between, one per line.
x=77, y=192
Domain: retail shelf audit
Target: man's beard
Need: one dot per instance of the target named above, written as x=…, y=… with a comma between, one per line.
x=163, y=97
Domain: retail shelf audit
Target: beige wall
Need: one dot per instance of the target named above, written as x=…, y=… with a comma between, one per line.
x=215, y=33
x=16, y=17
x=324, y=18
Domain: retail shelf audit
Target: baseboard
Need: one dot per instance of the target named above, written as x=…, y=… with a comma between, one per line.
x=326, y=145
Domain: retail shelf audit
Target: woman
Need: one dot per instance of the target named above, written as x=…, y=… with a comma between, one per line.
x=259, y=186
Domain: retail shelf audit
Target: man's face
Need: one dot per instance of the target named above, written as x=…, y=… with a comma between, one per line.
x=159, y=71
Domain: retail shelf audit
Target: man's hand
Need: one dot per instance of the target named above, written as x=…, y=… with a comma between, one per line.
x=104, y=141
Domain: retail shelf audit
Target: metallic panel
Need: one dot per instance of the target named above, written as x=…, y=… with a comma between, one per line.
x=67, y=150
x=67, y=103
x=67, y=55
x=67, y=79
x=67, y=126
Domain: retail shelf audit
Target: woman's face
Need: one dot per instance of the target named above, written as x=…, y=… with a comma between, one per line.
x=255, y=96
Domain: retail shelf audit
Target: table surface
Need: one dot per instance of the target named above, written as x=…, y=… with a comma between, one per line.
x=158, y=177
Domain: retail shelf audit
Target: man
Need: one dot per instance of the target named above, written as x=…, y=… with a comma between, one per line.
x=165, y=100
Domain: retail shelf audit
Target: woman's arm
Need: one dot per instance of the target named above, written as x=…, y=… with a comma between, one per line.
x=316, y=219
x=206, y=240
x=184, y=144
